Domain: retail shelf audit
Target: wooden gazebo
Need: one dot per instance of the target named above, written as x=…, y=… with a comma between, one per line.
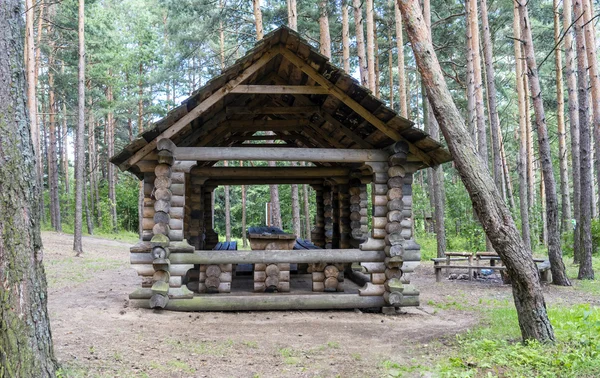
x=323, y=116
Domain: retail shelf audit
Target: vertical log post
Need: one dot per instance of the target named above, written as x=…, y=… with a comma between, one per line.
x=344, y=215
x=197, y=213
x=160, y=239
x=328, y=194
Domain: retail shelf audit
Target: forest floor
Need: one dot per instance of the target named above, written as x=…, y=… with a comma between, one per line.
x=96, y=333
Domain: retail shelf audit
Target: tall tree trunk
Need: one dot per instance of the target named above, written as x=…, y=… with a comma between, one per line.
x=498, y=223
x=401, y=71
x=436, y=174
x=292, y=15
x=227, y=209
x=376, y=51
x=324, y=38
x=65, y=138
x=506, y=169
x=26, y=339
x=371, y=45
x=305, y=200
x=590, y=40
x=110, y=136
x=585, y=145
x=529, y=138
x=244, y=238
x=30, y=64
x=345, y=37
x=258, y=20
x=296, y=224
x=360, y=43
x=479, y=105
x=560, y=122
x=140, y=127
x=52, y=152
x=92, y=168
x=573, y=121
x=471, y=114
x=491, y=95
x=390, y=66
x=79, y=137
x=559, y=275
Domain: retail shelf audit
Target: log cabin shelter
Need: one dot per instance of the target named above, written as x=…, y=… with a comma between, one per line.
x=285, y=102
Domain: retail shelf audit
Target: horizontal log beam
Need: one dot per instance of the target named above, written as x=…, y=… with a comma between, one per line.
x=277, y=110
x=269, y=172
x=280, y=89
x=265, y=181
x=322, y=155
x=269, y=302
x=242, y=124
x=310, y=256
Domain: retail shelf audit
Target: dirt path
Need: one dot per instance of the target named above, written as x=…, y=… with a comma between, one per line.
x=97, y=334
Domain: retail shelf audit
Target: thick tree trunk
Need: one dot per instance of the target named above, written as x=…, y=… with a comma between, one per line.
x=390, y=66
x=360, y=43
x=401, y=71
x=292, y=15
x=371, y=45
x=493, y=212
x=324, y=37
x=559, y=275
x=573, y=120
x=522, y=161
x=585, y=145
x=79, y=137
x=376, y=53
x=345, y=37
x=491, y=95
x=25, y=340
x=565, y=218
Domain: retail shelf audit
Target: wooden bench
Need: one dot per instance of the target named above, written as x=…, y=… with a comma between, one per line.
x=543, y=265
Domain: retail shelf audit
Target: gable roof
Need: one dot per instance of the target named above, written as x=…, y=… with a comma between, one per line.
x=309, y=102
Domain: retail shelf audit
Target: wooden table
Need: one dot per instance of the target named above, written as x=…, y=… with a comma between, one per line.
x=271, y=277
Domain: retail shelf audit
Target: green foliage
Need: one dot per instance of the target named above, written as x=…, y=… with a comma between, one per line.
x=494, y=350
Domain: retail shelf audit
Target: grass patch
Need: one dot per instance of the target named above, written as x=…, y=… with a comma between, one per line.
x=63, y=271
x=495, y=348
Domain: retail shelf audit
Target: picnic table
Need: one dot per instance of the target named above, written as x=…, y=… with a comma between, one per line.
x=270, y=238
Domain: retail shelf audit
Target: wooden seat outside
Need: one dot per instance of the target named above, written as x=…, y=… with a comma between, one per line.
x=542, y=264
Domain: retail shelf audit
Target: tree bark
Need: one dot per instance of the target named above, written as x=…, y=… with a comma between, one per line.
x=79, y=137
x=345, y=37
x=493, y=212
x=522, y=160
x=307, y=233
x=491, y=95
x=585, y=145
x=371, y=46
x=560, y=123
x=590, y=40
x=52, y=152
x=573, y=122
x=292, y=15
x=258, y=20
x=244, y=238
x=559, y=275
x=401, y=71
x=436, y=174
x=360, y=43
x=478, y=87
x=26, y=339
x=110, y=136
x=227, y=209
x=324, y=37
x=296, y=224
x=471, y=115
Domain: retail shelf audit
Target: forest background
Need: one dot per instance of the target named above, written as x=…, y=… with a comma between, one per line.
x=143, y=57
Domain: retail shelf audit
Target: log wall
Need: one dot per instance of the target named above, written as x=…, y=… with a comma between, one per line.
x=318, y=232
